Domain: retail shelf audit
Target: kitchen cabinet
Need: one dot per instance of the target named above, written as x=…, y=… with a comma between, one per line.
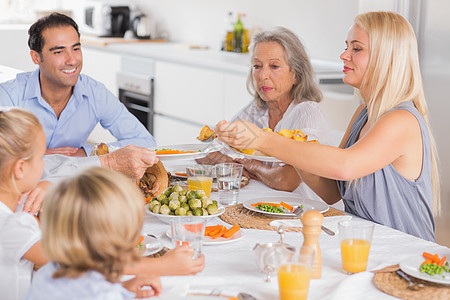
x=102, y=66
x=190, y=97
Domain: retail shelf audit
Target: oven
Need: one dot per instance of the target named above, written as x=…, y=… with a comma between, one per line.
x=136, y=93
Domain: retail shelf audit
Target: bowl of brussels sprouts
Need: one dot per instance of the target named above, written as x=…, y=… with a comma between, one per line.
x=176, y=202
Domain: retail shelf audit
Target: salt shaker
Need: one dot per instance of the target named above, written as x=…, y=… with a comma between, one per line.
x=312, y=221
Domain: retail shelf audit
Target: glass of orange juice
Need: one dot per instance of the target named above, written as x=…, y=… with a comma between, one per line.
x=355, y=237
x=200, y=178
x=294, y=277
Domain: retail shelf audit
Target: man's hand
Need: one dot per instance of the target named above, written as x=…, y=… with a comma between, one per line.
x=136, y=284
x=35, y=197
x=130, y=160
x=68, y=151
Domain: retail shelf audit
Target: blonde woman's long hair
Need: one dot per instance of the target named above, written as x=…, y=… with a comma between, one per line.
x=18, y=131
x=393, y=75
x=92, y=222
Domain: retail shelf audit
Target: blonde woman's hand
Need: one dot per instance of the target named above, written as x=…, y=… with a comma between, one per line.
x=35, y=197
x=179, y=261
x=136, y=284
x=239, y=134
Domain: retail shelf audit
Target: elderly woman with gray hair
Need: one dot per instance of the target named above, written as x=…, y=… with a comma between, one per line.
x=286, y=96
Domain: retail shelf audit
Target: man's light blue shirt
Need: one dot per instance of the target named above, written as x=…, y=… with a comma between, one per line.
x=89, y=104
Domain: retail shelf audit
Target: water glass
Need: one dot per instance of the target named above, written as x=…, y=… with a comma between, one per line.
x=355, y=237
x=188, y=231
x=200, y=178
x=229, y=176
x=294, y=277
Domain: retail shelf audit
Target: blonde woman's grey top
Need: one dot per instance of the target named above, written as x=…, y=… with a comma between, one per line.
x=388, y=198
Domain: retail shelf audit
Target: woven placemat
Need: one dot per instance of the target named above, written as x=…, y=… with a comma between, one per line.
x=160, y=253
x=238, y=214
x=394, y=285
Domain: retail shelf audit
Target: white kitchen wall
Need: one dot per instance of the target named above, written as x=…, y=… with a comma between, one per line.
x=321, y=24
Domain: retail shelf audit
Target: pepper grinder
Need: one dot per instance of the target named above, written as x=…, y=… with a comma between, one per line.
x=312, y=221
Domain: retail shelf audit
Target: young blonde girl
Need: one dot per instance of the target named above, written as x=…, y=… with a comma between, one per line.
x=385, y=168
x=22, y=148
x=90, y=226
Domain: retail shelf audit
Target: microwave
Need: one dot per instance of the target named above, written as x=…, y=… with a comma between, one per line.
x=104, y=18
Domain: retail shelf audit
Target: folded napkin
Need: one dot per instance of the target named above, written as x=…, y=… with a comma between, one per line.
x=329, y=222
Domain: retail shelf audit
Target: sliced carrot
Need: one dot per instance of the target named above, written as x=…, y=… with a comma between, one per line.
x=180, y=174
x=436, y=258
x=427, y=261
x=263, y=203
x=287, y=206
x=442, y=261
x=221, y=232
x=216, y=231
x=232, y=231
x=141, y=238
x=428, y=255
x=209, y=229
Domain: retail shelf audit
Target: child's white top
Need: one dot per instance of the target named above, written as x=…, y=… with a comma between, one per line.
x=91, y=285
x=18, y=233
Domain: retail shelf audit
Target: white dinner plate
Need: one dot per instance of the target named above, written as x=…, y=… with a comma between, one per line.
x=168, y=218
x=248, y=156
x=152, y=245
x=293, y=201
x=183, y=147
x=411, y=266
x=207, y=240
x=177, y=169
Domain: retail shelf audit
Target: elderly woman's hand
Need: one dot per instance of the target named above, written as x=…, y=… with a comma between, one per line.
x=239, y=134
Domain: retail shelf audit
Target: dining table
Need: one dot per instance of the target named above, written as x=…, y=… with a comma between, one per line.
x=232, y=268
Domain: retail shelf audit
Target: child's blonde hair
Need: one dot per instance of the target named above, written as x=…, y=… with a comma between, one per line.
x=92, y=222
x=18, y=131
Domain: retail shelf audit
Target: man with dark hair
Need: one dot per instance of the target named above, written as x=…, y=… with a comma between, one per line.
x=68, y=104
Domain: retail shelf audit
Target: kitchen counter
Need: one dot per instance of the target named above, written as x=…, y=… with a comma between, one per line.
x=208, y=58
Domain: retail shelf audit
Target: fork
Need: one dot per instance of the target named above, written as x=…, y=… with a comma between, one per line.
x=299, y=210
x=411, y=284
x=210, y=139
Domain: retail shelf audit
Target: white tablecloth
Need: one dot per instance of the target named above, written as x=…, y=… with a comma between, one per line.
x=232, y=267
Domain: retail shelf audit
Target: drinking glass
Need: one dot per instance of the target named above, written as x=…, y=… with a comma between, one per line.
x=200, y=178
x=355, y=237
x=188, y=231
x=229, y=176
x=294, y=277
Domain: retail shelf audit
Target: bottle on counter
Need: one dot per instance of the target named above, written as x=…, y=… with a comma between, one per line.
x=238, y=35
x=245, y=41
x=228, y=43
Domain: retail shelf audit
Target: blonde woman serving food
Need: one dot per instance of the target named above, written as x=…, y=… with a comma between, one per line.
x=385, y=168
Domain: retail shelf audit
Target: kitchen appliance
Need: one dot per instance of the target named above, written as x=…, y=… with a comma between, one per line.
x=141, y=27
x=135, y=84
x=136, y=93
x=104, y=18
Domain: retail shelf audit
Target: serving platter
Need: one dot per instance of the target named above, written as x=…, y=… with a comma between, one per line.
x=308, y=204
x=198, y=148
x=249, y=156
x=411, y=266
x=207, y=240
x=167, y=218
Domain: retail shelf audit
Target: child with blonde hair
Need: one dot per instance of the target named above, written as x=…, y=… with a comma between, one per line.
x=91, y=224
x=22, y=148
